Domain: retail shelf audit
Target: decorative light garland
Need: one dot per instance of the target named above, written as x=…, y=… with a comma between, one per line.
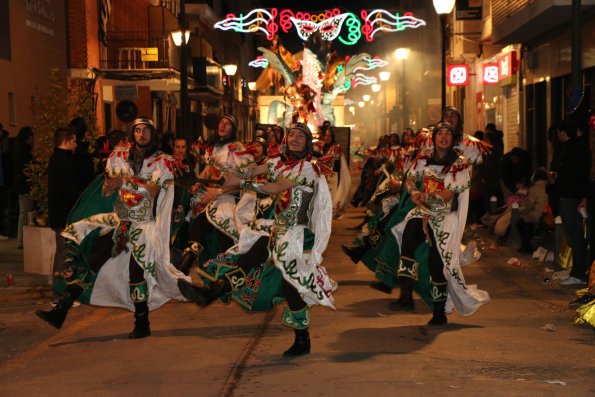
x=329, y=23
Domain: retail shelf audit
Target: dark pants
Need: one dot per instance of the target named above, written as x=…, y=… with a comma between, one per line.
x=201, y=226
x=257, y=255
x=102, y=252
x=574, y=230
x=60, y=253
x=413, y=236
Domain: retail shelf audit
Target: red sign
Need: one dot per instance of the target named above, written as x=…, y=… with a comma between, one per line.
x=458, y=74
x=507, y=66
x=490, y=73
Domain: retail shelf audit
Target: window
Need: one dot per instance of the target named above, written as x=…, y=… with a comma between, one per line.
x=4, y=31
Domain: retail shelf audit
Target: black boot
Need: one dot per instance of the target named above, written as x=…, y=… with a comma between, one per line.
x=202, y=296
x=301, y=345
x=57, y=315
x=190, y=255
x=355, y=253
x=439, y=316
x=405, y=302
x=141, y=321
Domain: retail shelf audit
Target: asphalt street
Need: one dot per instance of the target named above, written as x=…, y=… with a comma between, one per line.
x=522, y=343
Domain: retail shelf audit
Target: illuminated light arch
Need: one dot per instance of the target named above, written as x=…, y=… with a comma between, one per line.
x=329, y=23
x=382, y=20
x=257, y=20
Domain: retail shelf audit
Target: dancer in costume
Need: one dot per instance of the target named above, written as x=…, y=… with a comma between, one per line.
x=439, y=220
x=340, y=182
x=121, y=258
x=213, y=227
x=292, y=242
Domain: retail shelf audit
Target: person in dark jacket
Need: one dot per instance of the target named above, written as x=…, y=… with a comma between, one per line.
x=63, y=190
x=23, y=155
x=570, y=178
x=83, y=161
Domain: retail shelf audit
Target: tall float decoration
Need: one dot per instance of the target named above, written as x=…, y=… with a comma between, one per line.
x=317, y=75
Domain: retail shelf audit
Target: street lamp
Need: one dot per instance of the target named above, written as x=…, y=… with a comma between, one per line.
x=252, y=88
x=366, y=97
x=184, y=130
x=443, y=8
x=361, y=104
x=230, y=71
x=376, y=87
x=384, y=77
x=402, y=54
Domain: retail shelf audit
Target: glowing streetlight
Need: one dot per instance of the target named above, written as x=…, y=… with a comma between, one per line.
x=402, y=53
x=177, y=37
x=361, y=104
x=366, y=97
x=384, y=76
x=376, y=87
x=443, y=8
x=252, y=85
x=230, y=69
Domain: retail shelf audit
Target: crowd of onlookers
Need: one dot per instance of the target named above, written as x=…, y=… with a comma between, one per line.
x=88, y=157
x=520, y=201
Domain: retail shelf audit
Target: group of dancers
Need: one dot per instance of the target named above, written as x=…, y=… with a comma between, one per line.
x=258, y=222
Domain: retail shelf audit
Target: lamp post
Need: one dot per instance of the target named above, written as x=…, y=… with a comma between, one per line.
x=384, y=77
x=181, y=38
x=443, y=8
x=402, y=54
x=252, y=88
x=230, y=71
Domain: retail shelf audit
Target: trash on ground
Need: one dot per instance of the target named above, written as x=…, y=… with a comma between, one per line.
x=556, y=382
x=548, y=269
x=549, y=327
x=561, y=275
x=469, y=253
x=514, y=262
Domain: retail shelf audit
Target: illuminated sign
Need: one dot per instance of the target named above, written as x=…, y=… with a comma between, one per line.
x=490, y=73
x=149, y=54
x=508, y=68
x=458, y=75
x=332, y=24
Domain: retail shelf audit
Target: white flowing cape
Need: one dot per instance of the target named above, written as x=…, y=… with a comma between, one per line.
x=466, y=299
x=111, y=285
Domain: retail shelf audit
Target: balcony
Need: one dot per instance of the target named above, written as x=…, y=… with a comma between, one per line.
x=136, y=50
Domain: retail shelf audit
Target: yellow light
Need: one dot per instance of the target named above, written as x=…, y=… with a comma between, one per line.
x=177, y=37
x=384, y=76
x=230, y=69
x=402, y=53
x=252, y=85
x=352, y=109
x=376, y=87
x=444, y=6
x=361, y=104
x=366, y=97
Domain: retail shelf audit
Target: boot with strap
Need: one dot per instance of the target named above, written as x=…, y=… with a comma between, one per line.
x=141, y=321
x=439, y=296
x=189, y=258
x=139, y=293
x=57, y=315
x=203, y=296
x=299, y=320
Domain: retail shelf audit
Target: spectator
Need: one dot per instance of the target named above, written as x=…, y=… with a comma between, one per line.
x=3, y=187
x=83, y=161
x=515, y=168
x=570, y=180
x=531, y=209
x=23, y=155
x=63, y=190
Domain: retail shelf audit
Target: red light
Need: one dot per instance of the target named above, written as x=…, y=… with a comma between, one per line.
x=458, y=75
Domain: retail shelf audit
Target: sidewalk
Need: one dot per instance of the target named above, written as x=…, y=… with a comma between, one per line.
x=26, y=285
